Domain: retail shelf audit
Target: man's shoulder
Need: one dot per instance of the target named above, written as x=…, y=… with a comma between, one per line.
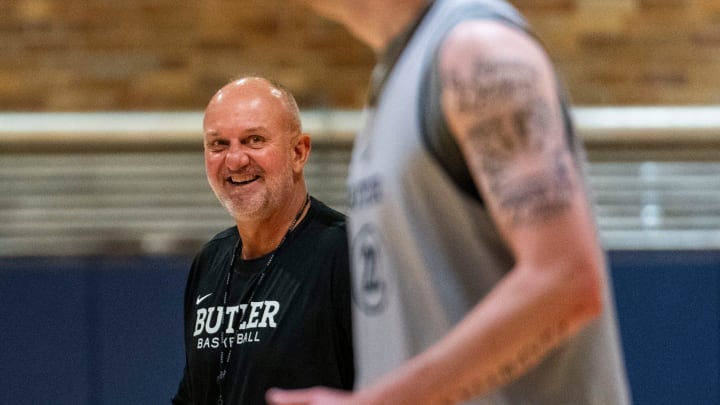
x=225, y=234
x=222, y=239
x=328, y=216
x=328, y=228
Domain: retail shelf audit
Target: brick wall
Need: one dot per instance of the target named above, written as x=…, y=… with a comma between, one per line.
x=95, y=55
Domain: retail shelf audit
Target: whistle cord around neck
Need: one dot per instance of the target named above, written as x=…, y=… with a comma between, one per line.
x=225, y=359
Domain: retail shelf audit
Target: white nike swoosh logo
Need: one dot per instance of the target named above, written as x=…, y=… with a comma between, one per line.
x=201, y=299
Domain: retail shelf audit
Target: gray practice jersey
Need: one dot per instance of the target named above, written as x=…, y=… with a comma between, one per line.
x=424, y=251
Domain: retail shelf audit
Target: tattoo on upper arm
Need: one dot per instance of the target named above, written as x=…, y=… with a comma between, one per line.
x=500, y=138
x=488, y=83
x=535, y=196
x=509, y=130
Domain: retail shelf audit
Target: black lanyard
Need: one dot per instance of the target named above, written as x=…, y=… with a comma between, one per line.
x=225, y=360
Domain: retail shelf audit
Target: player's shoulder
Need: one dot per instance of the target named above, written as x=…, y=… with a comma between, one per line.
x=488, y=36
x=485, y=48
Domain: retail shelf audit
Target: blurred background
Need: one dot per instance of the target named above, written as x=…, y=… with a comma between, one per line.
x=103, y=197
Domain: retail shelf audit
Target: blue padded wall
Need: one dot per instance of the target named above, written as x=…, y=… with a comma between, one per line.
x=108, y=330
x=104, y=330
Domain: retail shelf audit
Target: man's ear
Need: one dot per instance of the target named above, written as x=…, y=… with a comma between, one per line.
x=301, y=151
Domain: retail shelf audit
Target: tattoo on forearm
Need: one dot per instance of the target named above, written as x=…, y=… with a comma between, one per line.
x=526, y=357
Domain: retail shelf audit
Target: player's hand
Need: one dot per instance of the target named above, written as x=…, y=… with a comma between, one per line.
x=309, y=396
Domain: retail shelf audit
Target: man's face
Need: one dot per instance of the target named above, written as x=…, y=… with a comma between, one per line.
x=249, y=149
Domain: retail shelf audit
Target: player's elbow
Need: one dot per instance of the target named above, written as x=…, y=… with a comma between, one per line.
x=588, y=289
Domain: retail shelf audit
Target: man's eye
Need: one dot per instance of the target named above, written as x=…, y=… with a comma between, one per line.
x=255, y=140
x=215, y=145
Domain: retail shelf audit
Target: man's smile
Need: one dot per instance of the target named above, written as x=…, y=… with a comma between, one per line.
x=240, y=180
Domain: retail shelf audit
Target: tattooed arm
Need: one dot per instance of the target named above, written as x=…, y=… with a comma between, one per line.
x=500, y=100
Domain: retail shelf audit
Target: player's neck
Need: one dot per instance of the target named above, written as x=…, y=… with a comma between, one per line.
x=379, y=24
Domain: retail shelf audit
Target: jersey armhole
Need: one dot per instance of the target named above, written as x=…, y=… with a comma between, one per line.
x=434, y=129
x=438, y=138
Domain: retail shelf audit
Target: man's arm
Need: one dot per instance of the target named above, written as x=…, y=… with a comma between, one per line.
x=182, y=396
x=500, y=100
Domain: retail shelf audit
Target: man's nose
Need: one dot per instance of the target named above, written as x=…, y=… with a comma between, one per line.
x=237, y=157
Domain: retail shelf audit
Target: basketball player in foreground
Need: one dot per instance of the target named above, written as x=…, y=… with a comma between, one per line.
x=477, y=271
